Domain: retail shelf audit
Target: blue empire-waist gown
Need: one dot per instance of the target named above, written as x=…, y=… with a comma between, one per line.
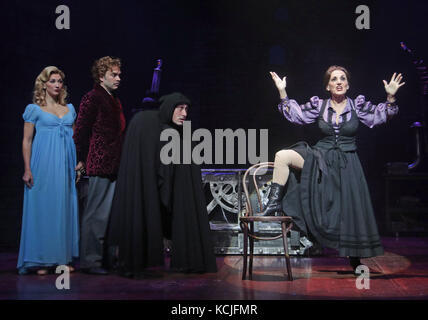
x=50, y=225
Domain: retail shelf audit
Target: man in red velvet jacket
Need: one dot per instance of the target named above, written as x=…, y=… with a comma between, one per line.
x=98, y=136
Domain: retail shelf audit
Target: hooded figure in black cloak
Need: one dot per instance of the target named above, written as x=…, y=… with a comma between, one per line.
x=153, y=200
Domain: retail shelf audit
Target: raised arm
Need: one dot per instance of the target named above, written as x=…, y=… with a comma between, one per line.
x=290, y=109
x=372, y=115
x=392, y=87
x=280, y=84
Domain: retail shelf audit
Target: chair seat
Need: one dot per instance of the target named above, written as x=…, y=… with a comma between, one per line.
x=266, y=219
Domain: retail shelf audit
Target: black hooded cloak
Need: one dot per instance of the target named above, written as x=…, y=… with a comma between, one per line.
x=153, y=200
x=183, y=201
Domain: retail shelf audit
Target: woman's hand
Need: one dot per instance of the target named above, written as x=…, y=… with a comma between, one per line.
x=393, y=85
x=280, y=84
x=80, y=170
x=28, y=179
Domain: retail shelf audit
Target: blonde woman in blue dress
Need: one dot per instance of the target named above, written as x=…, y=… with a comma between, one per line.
x=50, y=227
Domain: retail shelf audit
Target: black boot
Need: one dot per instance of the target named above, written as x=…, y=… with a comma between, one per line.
x=354, y=262
x=275, y=198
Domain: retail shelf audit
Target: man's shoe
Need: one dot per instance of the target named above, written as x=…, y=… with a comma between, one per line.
x=95, y=270
x=275, y=198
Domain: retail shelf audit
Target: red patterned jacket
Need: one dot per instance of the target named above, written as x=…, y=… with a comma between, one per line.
x=99, y=132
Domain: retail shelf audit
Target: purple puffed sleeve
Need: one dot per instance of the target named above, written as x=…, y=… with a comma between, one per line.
x=372, y=115
x=300, y=114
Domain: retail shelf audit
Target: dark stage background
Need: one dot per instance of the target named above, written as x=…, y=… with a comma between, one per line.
x=219, y=54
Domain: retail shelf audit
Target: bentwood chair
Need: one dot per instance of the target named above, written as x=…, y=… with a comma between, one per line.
x=247, y=223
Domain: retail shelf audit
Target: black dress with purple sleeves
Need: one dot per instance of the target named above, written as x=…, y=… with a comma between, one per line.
x=331, y=200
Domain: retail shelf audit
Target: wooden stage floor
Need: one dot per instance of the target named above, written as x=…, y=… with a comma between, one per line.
x=402, y=273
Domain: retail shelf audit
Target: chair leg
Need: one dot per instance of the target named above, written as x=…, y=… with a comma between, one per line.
x=251, y=250
x=287, y=256
x=244, y=268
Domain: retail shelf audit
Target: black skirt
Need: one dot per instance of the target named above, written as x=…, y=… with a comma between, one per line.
x=333, y=205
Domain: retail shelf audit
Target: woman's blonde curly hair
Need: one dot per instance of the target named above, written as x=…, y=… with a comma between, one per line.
x=39, y=93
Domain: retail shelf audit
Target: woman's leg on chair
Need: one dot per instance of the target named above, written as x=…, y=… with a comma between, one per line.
x=285, y=159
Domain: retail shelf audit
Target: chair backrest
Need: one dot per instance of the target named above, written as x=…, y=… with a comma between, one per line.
x=253, y=170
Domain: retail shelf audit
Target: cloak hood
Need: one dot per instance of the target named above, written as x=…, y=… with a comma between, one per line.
x=168, y=104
